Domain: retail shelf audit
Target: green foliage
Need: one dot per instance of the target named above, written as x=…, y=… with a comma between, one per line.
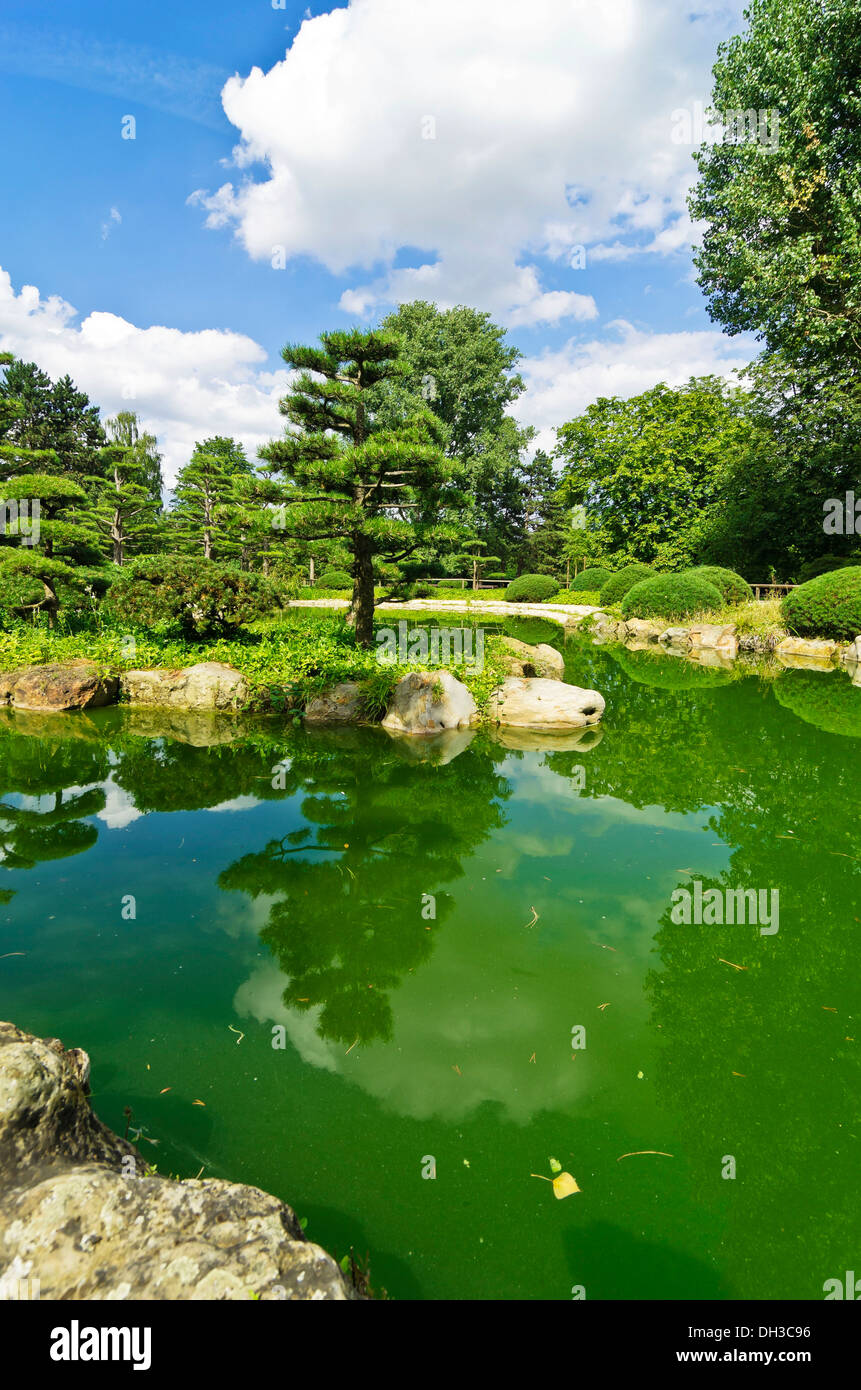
x=591, y=579
x=645, y=468
x=334, y=579
x=731, y=586
x=829, y=606
x=358, y=471
x=617, y=586
x=812, y=569
x=824, y=698
x=195, y=598
x=781, y=252
x=531, y=588
x=662, y=672
x=670, y=596
x=211, y=513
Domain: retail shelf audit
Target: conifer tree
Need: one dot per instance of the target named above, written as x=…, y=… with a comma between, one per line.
x=379, y=485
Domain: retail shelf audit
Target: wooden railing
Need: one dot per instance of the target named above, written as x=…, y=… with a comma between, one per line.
x=772, y=590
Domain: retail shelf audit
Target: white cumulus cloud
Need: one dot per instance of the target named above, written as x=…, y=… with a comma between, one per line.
x=184, y=386
x=483, y=135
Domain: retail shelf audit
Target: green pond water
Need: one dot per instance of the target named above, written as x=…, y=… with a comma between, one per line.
x=279, y=876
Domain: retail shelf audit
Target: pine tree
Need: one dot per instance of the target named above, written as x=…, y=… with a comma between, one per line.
x=382, y=489
x=212, y=510
x=124, y=513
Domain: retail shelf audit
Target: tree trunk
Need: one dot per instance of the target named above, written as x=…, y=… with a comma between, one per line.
x=361, y=614
x=311, y=571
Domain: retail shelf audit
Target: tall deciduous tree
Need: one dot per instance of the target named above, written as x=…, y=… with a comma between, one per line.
x=357, y=470
x=781, y=253
x=645, y=468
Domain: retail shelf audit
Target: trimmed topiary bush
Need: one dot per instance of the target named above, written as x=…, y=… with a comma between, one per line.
x=730, y=585
x=334, y=579
x=617, y=586
x=671, y=596
x=591, y=580
x=531, y=588
x=824, y=564
x=189, y=595
x=829, y=606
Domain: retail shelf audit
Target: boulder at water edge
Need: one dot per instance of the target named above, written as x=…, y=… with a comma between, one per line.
x=80, y=1213
x=543, y=704
x=425, y=702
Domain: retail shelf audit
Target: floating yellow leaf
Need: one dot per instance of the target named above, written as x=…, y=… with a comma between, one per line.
x=164, y=1090
x=199, y=1102
x=564, y=1186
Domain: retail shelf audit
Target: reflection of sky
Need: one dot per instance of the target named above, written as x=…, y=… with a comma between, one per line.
x=495, y=991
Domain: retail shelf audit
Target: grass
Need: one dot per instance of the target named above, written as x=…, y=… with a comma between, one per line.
x=285, y=660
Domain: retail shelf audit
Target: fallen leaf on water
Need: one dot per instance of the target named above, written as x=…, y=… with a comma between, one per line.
x=458, y=1070
x=639, y=1076
x=739, y=1073
x=236, y=1030
x=828, y=1009
x=732, y=963
x=164, y=1089
x=637, y=1152
x=555, y=1165
x=602, y=1007
x=534, y=918
x=199, y=1102
x=563, y=1186
x=532, y=1058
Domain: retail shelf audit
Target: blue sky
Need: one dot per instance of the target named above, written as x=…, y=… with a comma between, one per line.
x=388, y=150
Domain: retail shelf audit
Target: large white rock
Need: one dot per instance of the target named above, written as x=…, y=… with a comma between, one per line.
x=425, y=702
x=208, y=685
x=542, y=660
x=542, y=704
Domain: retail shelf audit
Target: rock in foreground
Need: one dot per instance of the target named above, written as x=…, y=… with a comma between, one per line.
x=425, y=702
x=208, y=685
x=79, y=1214
x=60, y=686
x=546, y=704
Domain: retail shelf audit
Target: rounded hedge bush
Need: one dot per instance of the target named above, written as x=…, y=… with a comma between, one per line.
x=531, y=588
x=590, y=580
x=670, y=596
x=829, y=606
x=195, y=597
x=617, y=586
x=730, y=585
x=824, y=564
x=334, y=579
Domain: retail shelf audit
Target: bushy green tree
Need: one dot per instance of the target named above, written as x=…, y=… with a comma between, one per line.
x=355, y=471
x=213, y=500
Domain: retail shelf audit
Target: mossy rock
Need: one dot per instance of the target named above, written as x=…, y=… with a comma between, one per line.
x=618, y=585
x=827, y=699
x=829, y=606
x=671, y=596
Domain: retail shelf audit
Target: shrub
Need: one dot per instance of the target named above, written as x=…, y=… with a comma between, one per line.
x=670, y=596
x=334, y=579
x=590, y=579
x=829, y=606
x=731, y=586
x=192, y=596
x=531, y=588
x=824, y=564
x=423, y=590
x=670, y=673
x=617, y=586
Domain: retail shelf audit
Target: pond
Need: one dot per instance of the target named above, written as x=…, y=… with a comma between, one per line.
x=375, y=960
